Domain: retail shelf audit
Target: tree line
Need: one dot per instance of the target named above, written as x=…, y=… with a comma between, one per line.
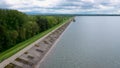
x=16, y=26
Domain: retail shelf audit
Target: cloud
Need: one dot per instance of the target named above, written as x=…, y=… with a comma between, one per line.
x=15, y=4
x=3, y=4
x=63, y=6
x=90, y=1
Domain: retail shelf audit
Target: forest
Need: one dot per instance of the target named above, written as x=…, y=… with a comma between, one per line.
x=16, y=27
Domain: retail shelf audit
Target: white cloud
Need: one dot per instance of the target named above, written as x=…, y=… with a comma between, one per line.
x=63, y=6
x=104, y=7
x=91, y=1
x=31, y=3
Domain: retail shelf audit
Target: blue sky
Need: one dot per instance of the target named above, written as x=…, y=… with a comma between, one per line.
x=64, y=6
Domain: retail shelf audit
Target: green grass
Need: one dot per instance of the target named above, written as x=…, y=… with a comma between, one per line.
x=8, y=53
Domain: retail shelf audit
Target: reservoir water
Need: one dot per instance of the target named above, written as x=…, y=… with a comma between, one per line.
x=90, y=42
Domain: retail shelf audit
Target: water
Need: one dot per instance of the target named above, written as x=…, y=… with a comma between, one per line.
x=90, y=42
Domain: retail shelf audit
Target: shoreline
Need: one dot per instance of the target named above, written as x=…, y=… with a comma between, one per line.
x=53, y=46
x=21, y=59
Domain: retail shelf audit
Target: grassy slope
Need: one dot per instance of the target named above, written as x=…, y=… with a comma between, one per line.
x=8, y=53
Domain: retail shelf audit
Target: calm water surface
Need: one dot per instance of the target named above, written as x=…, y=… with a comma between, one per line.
x=90, y=42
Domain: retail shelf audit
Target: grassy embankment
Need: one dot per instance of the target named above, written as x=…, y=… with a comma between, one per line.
x=8, y=53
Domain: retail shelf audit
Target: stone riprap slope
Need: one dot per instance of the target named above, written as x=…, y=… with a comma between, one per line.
x=34, y=55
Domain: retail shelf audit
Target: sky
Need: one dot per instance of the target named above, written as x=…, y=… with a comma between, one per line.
x=63, y=6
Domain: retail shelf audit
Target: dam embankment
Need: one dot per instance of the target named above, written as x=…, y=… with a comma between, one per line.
x=34, y=53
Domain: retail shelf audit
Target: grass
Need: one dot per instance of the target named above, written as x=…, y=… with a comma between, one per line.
x=8, y=53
